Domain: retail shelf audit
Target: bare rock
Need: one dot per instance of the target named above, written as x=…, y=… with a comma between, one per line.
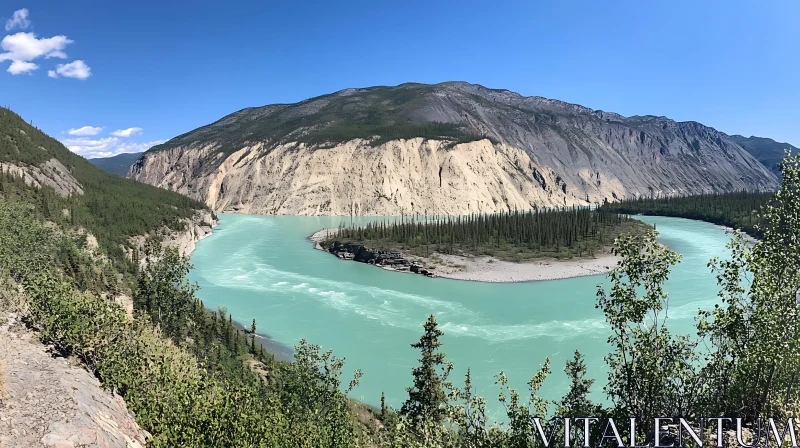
x=52, y=402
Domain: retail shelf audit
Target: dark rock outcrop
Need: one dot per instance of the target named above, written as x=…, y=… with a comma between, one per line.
x=386, y=259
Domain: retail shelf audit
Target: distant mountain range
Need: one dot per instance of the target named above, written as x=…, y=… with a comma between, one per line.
x=119, y=164
x=445, y=148
x=766, y=150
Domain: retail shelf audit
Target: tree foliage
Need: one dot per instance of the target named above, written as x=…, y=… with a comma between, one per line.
x=427, y=398
x=182, y=369
x=111, y=208
x=562, y=233
x=735, y=210
x=755, y=334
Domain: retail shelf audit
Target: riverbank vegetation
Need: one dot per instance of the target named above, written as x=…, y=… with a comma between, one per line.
x=734, y=210
x=515, y=236
x=188, y=374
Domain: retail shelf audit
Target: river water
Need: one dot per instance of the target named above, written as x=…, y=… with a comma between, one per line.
x=264, y=268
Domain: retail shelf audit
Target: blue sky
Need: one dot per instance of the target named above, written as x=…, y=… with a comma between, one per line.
x=159, y=69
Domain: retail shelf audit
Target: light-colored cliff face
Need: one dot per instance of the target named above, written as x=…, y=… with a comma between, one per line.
x=51, y=173
x=429, y=176
x=195, y=229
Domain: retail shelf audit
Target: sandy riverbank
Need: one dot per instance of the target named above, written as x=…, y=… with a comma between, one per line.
x=322, y=235
x=730, y=230
x=489, y=269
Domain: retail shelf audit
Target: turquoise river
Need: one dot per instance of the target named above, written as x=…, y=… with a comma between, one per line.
x=264, y=268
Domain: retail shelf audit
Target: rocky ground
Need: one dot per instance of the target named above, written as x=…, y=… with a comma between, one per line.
x=48, y=401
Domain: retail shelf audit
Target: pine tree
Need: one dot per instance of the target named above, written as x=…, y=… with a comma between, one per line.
x=427, y=399
x=253, y=338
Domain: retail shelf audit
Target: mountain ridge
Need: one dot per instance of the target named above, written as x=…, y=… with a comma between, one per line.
x=552, y=153
x=766, y=150
x=118, y=164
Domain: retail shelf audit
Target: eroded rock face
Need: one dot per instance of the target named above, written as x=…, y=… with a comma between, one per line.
x=538, y=152
x=51, y=173
x=53, y=402
x=196, y=228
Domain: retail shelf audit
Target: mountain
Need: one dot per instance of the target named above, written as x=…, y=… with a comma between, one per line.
x=119, y=164
x=66, y=189
x=446, y=148
x=765, y=150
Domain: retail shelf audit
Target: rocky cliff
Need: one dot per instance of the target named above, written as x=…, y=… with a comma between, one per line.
x=184, y=239
x=448, y=148
x=52, y=173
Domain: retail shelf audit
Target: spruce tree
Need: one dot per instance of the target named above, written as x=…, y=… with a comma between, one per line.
x=427, y=398
x=383, y=407
x=253, y=338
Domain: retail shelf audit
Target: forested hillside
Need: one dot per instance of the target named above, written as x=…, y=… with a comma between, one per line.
x=111, y=208
x=191, y=377
x=735, y=210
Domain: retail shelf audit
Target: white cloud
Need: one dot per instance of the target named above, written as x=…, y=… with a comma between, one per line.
x=75, y=69
x=86, y=130
x=20, y=67
x=22, y=48
x=127, y=132
x=105, y=147
x=18, y=20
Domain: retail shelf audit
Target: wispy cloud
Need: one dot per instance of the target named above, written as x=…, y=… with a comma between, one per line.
x=85, y=131
x=127, y=132
x=76, y=69
x=18, y=20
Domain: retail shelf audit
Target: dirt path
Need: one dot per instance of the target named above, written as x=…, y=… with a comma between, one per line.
x=53, y=402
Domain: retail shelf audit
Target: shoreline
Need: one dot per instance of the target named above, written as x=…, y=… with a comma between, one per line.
x=491, y=270
x=730, y=231
x=279, y=350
